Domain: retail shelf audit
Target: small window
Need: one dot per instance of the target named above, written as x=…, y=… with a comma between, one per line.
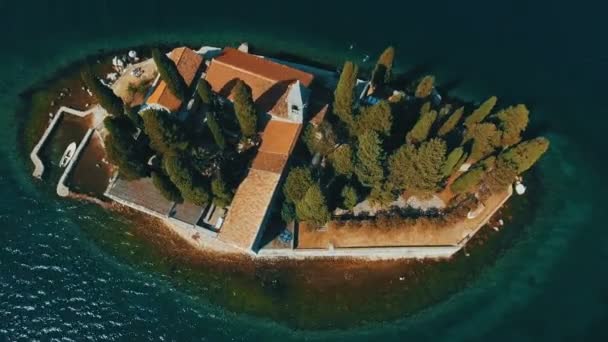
x=295, y=109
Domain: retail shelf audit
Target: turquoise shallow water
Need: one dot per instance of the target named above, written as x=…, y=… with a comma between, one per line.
x=57, y=279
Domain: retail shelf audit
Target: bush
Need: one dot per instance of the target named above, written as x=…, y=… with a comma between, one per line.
x=350, y=198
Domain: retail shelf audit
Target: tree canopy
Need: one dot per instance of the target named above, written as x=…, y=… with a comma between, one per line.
x=320, y=139
x=513, y=121
x=222, y=195
x=468, y=181
x=166, y=187
x=370, y=157
x=104, y=94
x=342, y=160
x=425, y=87
x=451, y=161
x=418, y=169
x=313, y=207
x=244, y=108
x=344, y=95
x=486, y=138
x=481, y=112
x=297, y=183
x=449, y=124
x=377, y=118
x=122, y=149
x=422, y=128
x=204, y=92
x=191, y=185
x=383, y=70
x=169, y=74
x=165, y=131
x=523, y=155
x=216, y=130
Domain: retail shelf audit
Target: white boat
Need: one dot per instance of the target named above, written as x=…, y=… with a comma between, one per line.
x=67, y=155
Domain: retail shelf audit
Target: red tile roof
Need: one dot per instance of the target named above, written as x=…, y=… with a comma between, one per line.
x=269, y=81
x=188, y=62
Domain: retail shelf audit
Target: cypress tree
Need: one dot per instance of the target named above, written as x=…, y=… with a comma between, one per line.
x=122, y=150
x=344, y=95
x=222, y=195
x=313, y=207
x=429, y=163
x=402, y=172
x=216, y=130
x=523, y=155
x=468, y=181
x=350, y=198
x=297, y=183
x=246, y=113
x=451, y=161
x=165, y=132
x=377, y=118
x=320, y=139
x=342, y=160
x=383, y=71
x=370, y=157
x=451, y=122
x=422, y=128
x=106, y=97
x=425, y=87
x=169, y=73
x=166, y=188
x=190, y=184
x=513, y=121
x=485, y=139
x=481, y=113
x=204, y=92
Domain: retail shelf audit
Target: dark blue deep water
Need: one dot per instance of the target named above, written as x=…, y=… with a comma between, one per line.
x=59, y=276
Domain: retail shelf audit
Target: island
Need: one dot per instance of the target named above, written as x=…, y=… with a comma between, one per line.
x=266, y=157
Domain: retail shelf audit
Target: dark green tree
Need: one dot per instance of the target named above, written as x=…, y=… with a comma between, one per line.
x=481, y=113
x=166, y=188
x=342, y=160
x=204, y=92
x=222, y=195
x=513, y=121
x=106, y=97
x=451, y=122
x=429, y=163
x=422, y=128
x=244, y=108
x=377, y=118
x=425, y=87
x=169, y=73
x=468, y=181
x=123, y=150
x=369, y=157
x=216, y=130
x=165, y=131
x=288, y=212
x=402, y=172
x=189, y=182
x=383, y=70
x=313, y=207
x=344, y=95
x=451, y=161
x=523, y=155
x=382, y=194
x=350, y=198
x=320, y=139
x=485, y=139
x=297, y=183
x=134, y=116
